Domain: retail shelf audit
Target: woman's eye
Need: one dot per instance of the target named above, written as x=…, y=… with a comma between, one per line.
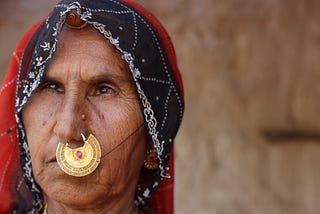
x=52, y=86
x=103, y=89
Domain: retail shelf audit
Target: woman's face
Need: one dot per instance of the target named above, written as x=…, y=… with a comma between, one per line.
x=87, y=89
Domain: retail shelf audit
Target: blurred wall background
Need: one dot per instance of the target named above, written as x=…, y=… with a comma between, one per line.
x=250, y=138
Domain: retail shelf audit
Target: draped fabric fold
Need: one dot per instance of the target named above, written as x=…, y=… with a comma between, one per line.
x=13, y=192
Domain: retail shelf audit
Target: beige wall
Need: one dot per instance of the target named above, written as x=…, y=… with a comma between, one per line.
x=250, y=139
x=15, y=18
x=249, y=142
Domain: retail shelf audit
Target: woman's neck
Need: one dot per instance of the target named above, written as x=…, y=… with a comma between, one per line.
x=120, y=206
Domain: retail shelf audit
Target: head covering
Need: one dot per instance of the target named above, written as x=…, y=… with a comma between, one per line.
x=144, y=45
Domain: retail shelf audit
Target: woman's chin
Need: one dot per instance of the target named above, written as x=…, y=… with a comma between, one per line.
x=64, y=190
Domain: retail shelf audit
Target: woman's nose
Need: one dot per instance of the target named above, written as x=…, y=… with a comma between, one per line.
x=69, y=123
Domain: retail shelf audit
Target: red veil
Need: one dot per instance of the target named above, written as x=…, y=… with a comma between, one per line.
x=10, y=175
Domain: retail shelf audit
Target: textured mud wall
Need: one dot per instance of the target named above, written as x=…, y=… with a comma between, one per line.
x=250, y=138
x=15, y=18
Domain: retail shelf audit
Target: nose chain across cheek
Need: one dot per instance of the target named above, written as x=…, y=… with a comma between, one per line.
x=84, y=160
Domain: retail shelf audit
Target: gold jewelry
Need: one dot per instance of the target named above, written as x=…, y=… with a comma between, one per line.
x=74, y=21
x=80, y=161
x=45, y=209
x=151, y=160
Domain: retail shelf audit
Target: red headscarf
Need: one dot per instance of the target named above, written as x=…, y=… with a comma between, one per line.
x=10, y=175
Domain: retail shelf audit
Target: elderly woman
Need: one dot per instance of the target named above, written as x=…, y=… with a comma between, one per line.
x=90, y=106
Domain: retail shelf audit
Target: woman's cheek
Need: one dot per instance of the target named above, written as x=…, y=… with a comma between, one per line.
x=38, y=116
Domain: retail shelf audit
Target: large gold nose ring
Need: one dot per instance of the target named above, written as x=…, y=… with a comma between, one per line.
x=80, y=161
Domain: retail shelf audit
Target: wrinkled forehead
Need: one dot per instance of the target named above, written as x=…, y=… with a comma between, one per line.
x=87, y=54
x=82, y=38
x=87, y=42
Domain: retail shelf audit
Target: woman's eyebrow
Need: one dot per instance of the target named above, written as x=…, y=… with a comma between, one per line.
x=49, y=78
x=104, y=75
x=109, y=78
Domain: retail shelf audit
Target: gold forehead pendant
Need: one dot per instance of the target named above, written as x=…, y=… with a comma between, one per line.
x=80, y=161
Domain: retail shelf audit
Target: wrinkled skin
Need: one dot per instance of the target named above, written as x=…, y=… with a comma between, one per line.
x=86, y=76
